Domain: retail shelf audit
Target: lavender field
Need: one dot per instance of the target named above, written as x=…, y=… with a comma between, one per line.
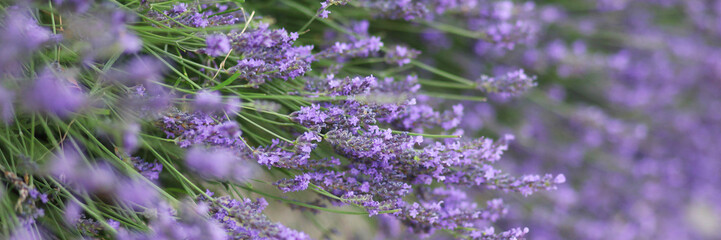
x=360, y=119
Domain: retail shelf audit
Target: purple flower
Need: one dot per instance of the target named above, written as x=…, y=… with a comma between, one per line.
x=20, y=35
x=201, y=128
x=150, y=170
x=78, y=6
x=130, y=137
x=245, y=220
x=137, y=192
x=219, y=163
x=54, y=93
x=401, y=55
x=72, y=213
x=69, y=167
x=217, y=45
x=179, y=8
x=212, y=102
x=510, y=84
x=299, y=183
x=268, y=54
x=104, y=32
x=7, y=111
x=323, y=10
x=397, y=9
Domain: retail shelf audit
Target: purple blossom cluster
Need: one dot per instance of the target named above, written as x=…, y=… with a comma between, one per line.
x=20, y=37
x=217, y=45
x=503, y=24
x=149, y=170
x=208, y=15
x=358, y=44
x=401, y=55
x=292, y=155
x=451, y=209
x=202, y=129
x=323, y=10
x=385, y=166
x=510, y=83
x=28, y=201
x=192, y=222
x=269, y=54
x=211, y=102
x=398, y=9
x=244, y=220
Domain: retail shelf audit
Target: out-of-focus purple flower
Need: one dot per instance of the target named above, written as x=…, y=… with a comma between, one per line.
x=510, y=84
x=130, y=137
x=212, y=102
x=401, y=55
x=77, y=6
x=245, y=220
x=72, y=213
x=397, y=9
x=217, y=45
x=103, y=32
x=7, y=111
x=215, y=163
x=179, y=8
x=148, y=103
x=503, y=10
x=69, y=167
x=436, y=39
x=219, y=163
x=145, y=71
x=54, y=93
x=25, y=232
x=20, y=35
x=134, y=191
x=362, y=47
x=190, y=222
x=208, y=101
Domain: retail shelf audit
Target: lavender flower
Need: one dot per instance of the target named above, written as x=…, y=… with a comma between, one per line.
x=208, y=15
x=72, y=213
x=136, y=192
x=7, y=111
x=53, y=93
x=68, y=166
x=201, y=128
x=323, y=10
x=130, y=137
x=211, y=102
x=217, y=45
x=244, y=220
x=28, y=198
x=401, y=55
x=269, y=54
x=218, y=163
x=397, y=9
x=77, y=6
x=191, y=222
x=150, y=170
x=20, y=35
x=509, y=84
x=103, y=32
